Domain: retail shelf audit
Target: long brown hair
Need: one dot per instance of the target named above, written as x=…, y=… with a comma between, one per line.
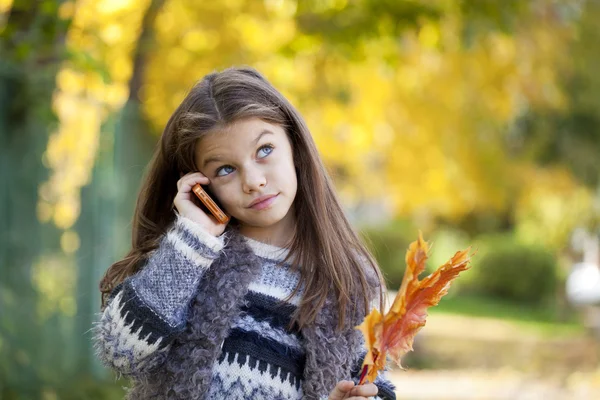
x=330, y=254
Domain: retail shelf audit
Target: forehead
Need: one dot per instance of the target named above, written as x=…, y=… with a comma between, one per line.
x=238, y=135
x=235, y=138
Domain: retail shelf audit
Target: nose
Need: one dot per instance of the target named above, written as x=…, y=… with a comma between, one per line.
x=253, y=180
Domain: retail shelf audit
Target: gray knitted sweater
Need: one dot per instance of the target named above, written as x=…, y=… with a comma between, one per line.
x=206, y=318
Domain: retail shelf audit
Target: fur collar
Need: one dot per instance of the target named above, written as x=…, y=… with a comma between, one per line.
x=330, y=354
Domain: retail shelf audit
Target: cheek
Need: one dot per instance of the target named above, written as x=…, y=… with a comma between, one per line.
x=291, y=179
x=223, y=195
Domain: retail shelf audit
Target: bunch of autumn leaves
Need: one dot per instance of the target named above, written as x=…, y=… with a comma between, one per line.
x=393, y=333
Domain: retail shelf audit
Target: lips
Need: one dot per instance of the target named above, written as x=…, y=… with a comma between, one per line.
x=263, y=201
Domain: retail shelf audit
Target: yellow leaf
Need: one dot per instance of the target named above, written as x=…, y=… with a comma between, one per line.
x=395, y=331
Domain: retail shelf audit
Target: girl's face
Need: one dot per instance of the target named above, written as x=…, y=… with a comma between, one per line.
x=251, y=170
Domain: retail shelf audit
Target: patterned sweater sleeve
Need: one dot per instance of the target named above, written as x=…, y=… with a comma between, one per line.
x=148, y=310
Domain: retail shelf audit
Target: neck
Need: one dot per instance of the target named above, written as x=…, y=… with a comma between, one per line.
x=279, y=234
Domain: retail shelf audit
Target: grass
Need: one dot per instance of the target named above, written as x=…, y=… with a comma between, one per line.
x=544, y=320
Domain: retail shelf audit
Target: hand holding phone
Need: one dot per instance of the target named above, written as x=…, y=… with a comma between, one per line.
x=188, y=206
x=210, y=204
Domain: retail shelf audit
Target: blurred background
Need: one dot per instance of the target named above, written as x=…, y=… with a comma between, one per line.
x=476, y=122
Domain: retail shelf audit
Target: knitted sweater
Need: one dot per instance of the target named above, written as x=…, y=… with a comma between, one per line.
x=155, y=318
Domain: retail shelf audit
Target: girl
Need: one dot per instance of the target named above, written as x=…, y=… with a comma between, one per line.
x=263, y=308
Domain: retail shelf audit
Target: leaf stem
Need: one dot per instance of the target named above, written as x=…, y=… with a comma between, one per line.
x=363, y=374
x=365, y=370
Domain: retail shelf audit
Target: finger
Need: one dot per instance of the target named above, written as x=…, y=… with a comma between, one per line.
x=181, y=196
x=191, y=175
x=341, y=389
x=366, y=390
x=197, y=177
x=186, y=183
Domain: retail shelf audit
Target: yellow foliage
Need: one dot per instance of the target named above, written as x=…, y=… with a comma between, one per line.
x=5, y=5
x=66, y=10
x=54, y=276
x=552, y=204
x=106, y=30
x=69, y=242
x=417, y=122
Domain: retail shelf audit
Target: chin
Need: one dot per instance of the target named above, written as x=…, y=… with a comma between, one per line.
x=264, y=222
x=270, y=218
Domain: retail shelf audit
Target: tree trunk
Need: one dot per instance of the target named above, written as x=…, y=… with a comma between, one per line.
x=31, y=50
x=108, y=202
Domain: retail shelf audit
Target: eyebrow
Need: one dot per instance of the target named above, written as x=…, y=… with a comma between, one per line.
x=254, y=142
x=264, y=132
x=211, y=160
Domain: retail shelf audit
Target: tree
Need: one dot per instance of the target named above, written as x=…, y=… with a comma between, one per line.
x=32, y=46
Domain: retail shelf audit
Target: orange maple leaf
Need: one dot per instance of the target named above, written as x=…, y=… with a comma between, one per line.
x=394, y=332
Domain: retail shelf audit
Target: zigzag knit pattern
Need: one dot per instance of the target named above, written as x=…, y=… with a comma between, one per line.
x=261, y=358
x=148, y=310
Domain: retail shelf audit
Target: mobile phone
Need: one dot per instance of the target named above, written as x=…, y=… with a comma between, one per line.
x=210, y=204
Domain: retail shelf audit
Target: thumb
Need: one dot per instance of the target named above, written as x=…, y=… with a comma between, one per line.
x=340, y=390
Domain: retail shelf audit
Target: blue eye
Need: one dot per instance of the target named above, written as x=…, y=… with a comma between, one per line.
x=265, y=151
x=224, y=170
